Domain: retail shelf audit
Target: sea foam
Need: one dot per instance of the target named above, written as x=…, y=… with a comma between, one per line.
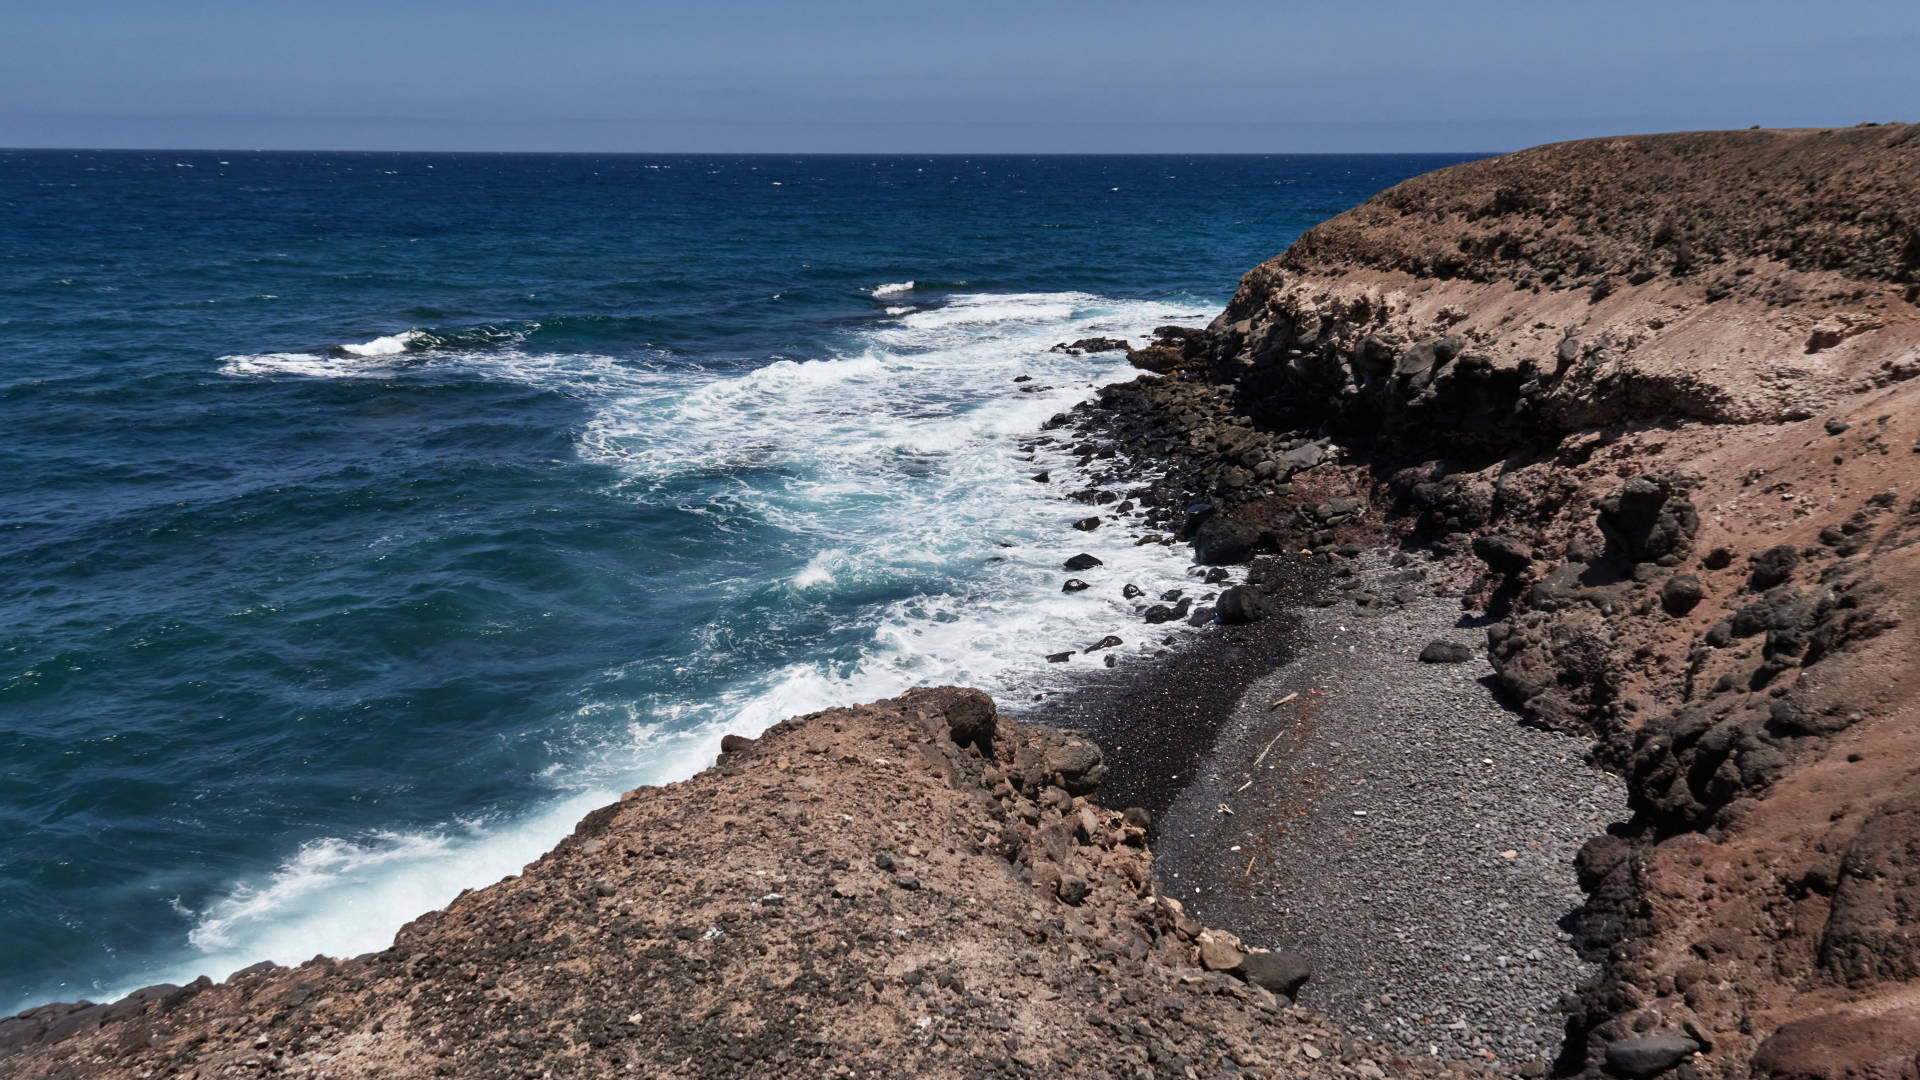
x=897, y=474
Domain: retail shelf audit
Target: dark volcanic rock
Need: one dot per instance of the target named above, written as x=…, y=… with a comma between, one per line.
x=1073, y=584
x=1173, y=348
x=1280, y=972
x=1087, y=524
x=1337, y=511
x=1092, y=345
x=1083, y=561
x=1301, y=458
x=1075, y=764
x=1072, y=890
x=1772, y=566
x=1681, y=594
x=971, y=716
x=1197, y=515
x=1161, y=613
x=1445, y=652
x=1650, y=520
x=1223, y=541
x=1239, y=604
x=1555, y=664
x=1502, y=554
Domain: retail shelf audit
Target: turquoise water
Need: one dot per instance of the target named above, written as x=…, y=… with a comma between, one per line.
x=371, y=517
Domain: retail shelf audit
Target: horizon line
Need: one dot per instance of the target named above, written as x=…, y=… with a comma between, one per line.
x=754, y=153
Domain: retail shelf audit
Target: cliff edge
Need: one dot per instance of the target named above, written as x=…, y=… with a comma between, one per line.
x=1660, y=389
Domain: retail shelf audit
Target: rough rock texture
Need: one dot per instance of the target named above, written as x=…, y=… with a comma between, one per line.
x=1723, y=277
x=909, y=888
x=1657, y=388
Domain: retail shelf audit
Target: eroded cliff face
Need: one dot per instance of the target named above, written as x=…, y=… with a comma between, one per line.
x=1660, y=387
x=909, y=888
x=1745, y=277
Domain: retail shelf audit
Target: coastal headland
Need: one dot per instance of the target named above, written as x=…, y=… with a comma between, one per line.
x=1596, y=460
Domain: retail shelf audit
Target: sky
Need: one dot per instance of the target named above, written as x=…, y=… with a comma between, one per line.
x=788, y=76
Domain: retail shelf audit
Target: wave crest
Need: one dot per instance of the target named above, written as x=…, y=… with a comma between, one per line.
x=390, y=345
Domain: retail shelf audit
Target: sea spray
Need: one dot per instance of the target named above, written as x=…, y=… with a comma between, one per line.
x=930, y=557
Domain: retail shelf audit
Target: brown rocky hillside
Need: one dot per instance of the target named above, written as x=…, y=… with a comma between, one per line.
x=1662, y=387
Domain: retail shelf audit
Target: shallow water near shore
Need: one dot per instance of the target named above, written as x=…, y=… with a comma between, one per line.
x=373, y=517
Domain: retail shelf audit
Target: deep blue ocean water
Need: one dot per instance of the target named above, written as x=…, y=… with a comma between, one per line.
x=370, y=517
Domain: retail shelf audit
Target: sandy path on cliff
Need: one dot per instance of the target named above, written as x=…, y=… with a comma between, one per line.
x=1404, y=832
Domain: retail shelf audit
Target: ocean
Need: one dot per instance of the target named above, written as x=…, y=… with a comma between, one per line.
x=369, y=518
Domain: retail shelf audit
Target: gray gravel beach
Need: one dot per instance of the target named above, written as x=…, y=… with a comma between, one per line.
x=1404, y=832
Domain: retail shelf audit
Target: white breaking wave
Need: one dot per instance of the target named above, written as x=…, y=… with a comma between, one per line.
x=821, y=569
x=900, y=467
x=576, y=373
x=894, y=289
x=342, y=897
x=350, y=361
x=303, y=365
x=990, y=308
x=391, y=345
x=896, y=476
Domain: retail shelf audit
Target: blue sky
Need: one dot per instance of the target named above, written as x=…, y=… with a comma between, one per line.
x=760, y=75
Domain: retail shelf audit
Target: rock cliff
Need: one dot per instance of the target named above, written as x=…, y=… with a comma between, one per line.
x=1660, y=389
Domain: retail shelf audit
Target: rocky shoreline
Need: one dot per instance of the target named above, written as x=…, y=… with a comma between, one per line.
x=1656, y=390
x=1655, y=393
x=1403, y=932
x=1616, y=439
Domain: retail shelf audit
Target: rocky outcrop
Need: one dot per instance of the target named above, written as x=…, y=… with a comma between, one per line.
x=910, y=888
x=1569, y=287
x=1657, y=390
